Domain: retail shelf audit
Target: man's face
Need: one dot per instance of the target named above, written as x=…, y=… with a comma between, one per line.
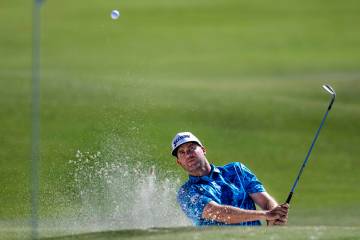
x=192, y=158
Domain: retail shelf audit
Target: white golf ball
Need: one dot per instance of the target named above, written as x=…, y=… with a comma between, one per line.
x=115, y=14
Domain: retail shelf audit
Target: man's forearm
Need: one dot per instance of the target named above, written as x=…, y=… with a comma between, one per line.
x=231, y=215
x=271, y=203
x=264, y=200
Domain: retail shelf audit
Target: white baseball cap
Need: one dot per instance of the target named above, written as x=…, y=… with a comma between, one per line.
x=181, y=138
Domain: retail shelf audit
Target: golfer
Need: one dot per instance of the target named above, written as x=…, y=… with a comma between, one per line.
x=222, y=195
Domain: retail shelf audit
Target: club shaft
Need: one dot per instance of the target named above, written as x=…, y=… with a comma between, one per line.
x=307, y=157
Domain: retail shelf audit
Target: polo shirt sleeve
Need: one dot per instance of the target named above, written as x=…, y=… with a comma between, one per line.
x=252, y=184
x=192, y=202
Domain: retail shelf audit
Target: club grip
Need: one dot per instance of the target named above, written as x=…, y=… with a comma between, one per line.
x=289, y=198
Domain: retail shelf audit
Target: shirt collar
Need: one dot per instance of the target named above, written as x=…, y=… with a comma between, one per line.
x=214, y=170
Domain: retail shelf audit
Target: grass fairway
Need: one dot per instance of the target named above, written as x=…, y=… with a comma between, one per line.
x=244, y=76
x=296, y=233
x=274, y=233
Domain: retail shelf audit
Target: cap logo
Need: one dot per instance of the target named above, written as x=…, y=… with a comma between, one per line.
x=180, y=138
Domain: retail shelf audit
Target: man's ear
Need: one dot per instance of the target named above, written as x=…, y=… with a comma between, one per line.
x=204, y=150
x=177, y=161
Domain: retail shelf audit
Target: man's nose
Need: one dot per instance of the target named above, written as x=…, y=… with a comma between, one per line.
x=189, y=153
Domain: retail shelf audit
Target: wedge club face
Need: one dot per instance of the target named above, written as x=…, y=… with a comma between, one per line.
x=330, y=90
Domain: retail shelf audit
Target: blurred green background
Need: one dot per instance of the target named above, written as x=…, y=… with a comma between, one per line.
x=244, y=76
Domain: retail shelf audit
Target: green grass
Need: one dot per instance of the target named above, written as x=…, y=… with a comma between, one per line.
x=321, y=232
x=244, y=76
x=296, y=233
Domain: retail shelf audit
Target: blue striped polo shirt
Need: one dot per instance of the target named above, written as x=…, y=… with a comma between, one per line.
x=227, y=185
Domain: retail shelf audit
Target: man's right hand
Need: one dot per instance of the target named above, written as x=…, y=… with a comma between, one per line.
x=278, y=215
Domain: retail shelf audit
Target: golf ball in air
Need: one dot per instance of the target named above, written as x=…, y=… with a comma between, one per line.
x=115, y=14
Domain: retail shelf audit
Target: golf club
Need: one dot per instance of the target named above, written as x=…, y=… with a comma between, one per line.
x=330, y=90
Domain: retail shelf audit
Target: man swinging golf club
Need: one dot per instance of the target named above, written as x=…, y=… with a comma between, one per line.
x=223, y=195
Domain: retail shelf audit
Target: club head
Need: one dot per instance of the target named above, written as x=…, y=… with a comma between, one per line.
x=329, y=89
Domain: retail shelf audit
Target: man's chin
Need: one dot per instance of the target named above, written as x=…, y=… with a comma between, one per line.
x=196, y=172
